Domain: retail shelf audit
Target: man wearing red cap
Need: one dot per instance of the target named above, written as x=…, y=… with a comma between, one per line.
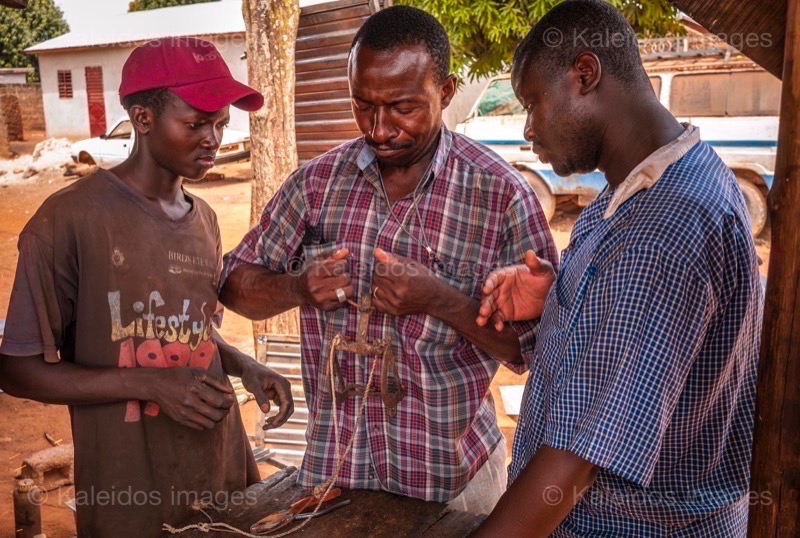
x=114, y=303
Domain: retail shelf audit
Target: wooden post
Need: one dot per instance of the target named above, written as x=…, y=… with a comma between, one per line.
x=775, y=484
x=271, y=36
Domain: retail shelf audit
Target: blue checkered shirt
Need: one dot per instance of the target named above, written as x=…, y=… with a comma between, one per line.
x=646, y=359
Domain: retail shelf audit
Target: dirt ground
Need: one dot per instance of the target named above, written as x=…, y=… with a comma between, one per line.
x=23, y=423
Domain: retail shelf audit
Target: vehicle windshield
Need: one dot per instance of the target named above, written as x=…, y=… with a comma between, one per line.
x=123, y=130
x=499, y=100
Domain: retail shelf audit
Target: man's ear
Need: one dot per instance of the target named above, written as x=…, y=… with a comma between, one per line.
x=448, y=90
x=141, y=119
x=589, y=71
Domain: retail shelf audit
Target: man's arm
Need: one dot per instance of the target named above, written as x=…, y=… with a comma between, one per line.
x=264, y=383
x=255, y=292
x=542, y=496
x=187, y=395
x=406, y=287
x=460, y=311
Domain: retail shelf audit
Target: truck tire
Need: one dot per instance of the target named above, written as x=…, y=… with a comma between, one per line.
x=546, y=197
x=756, y=204
x=85, y=158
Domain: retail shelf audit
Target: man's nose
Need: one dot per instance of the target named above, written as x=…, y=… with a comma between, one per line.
x=382, y=130
x=214, y=138
x=528, y=133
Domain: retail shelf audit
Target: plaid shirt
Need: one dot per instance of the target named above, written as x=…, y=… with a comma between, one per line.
x=647, y=354
x=477, y=213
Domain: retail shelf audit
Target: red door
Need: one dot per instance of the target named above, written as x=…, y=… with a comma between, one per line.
x=97, y=105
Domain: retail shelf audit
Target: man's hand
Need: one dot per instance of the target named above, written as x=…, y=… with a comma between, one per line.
x=401, y=286
x=517, y=292
x=191, y=397
x=322, y=276
x=267, y=385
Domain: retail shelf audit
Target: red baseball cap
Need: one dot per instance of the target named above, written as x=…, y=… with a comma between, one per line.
x=192, y=69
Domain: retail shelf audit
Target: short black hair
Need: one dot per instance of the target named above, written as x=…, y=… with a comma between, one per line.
x=155, y=100
x=401, y=26
x=576, y=26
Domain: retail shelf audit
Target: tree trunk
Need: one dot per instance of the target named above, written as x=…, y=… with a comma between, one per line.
x=271, y=34
x=5, y=152
x=775, y=484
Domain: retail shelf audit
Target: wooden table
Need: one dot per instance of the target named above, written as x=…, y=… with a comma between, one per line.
x=371, y=513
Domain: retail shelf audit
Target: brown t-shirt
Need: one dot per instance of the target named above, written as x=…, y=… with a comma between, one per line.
x=105, y=279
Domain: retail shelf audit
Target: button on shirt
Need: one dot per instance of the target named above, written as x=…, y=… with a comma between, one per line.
x=647, y=353
x=477, y=213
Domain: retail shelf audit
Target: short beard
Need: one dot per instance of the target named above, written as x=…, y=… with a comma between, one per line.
x=584, y=144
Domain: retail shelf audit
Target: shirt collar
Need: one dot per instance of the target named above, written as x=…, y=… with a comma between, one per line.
x=366, y=157
x=649, y=171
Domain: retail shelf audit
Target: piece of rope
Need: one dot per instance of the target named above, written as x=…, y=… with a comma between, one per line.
x=320, y=490
x=341, y=457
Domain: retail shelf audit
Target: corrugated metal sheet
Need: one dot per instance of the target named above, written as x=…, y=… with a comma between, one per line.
x=323, y=118
x=19, y=4
x=127, y=29
x=757, y=28
x=287, y=444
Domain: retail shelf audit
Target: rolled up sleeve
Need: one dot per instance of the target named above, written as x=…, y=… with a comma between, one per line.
x=42, y=301
x=276, y=238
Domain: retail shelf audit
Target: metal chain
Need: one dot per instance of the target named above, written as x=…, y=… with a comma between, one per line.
x=424, y=242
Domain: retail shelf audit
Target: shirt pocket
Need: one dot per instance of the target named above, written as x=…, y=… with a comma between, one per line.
x=312, y=251
x=309, y=253
x=571, y=288
x=557, y=331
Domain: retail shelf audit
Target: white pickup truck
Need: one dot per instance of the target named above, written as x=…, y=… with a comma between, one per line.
x=734, y=105
x=114, y=147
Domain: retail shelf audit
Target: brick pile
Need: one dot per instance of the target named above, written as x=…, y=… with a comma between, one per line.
x=30, y=104
x=13, y=117
x=5, y=151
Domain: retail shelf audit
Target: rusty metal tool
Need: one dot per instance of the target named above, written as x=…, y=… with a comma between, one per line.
x=331, y=508
x=277, y=520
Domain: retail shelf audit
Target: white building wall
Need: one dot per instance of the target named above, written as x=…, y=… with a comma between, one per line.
x=70, y=117
x=13, y=78
x=232, y=47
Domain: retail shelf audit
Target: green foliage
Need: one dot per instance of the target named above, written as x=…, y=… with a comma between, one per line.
x=144, y=5
x=23, y=28
x=484, y=33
